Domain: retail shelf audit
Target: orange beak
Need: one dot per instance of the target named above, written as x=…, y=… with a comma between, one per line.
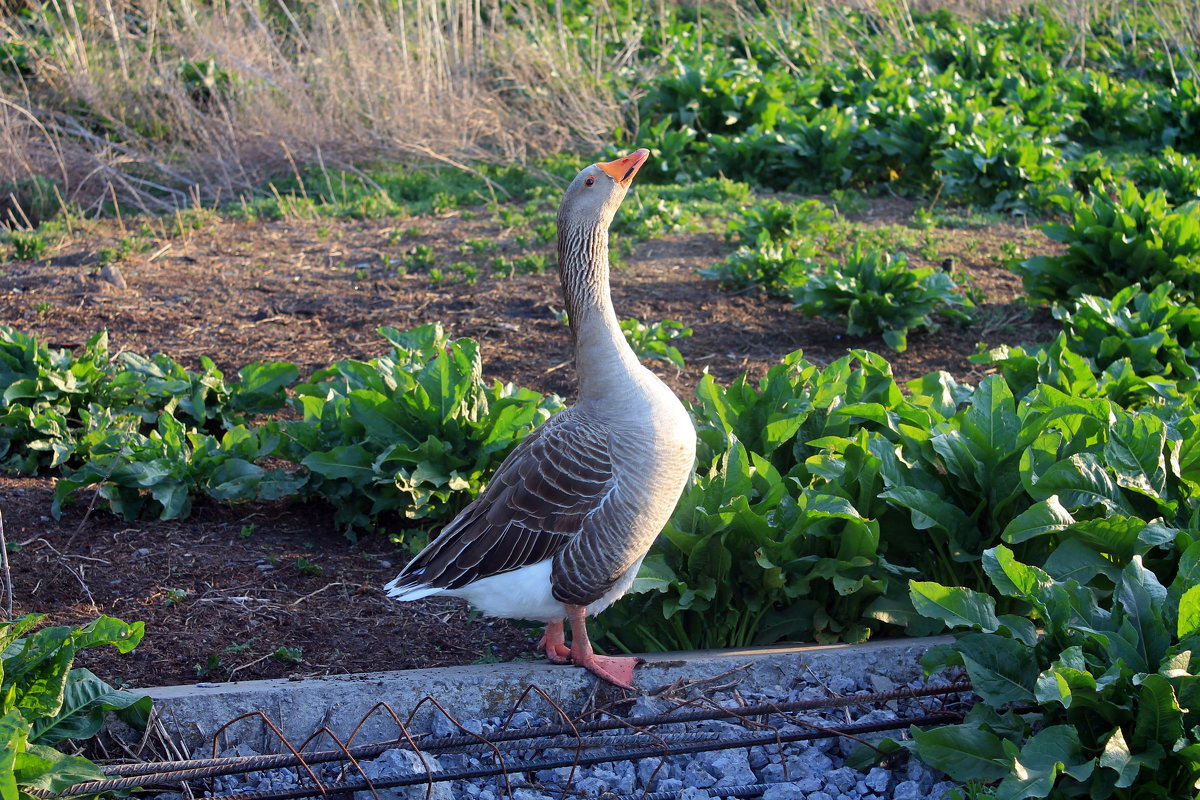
x=623, y=169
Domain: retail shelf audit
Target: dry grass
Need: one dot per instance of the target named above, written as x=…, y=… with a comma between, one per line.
x=109, y=107
x=345, y=82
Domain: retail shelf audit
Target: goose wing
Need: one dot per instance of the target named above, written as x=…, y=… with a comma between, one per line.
x=533, y=506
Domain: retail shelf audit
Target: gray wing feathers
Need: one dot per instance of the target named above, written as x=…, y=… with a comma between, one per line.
x=534, y=506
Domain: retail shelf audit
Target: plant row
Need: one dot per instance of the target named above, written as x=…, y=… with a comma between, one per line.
x=992, y=112
x=1117, y=241
x=410, y=436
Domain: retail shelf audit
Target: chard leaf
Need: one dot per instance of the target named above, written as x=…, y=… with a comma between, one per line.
x=1044, y=517
x=85, y=700
x=1134, y=451
x=14, y=733
x=928, y=509
x=1159, y=718
x=1188, y=623
x=1066, y=686
x=1002, y=670
x=352, y=461
x=1143, y=600
x=1117, y=756
x=1014, y=579
x=963, y=752
x=954, y=605
x=1080, y=481
x=991, y=420
x=1048, y=753
x=41, y=767
x=1074, y=560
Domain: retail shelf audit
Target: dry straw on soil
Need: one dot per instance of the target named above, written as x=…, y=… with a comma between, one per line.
x=270, y=90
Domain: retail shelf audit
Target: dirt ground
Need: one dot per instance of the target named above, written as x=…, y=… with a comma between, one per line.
x=232, y=592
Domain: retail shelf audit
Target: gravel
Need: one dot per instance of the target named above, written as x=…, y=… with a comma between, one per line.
x=807, y=770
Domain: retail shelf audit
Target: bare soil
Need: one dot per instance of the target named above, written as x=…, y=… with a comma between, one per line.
x=231, y=592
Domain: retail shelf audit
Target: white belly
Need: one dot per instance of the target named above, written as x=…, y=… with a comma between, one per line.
x=525, y=593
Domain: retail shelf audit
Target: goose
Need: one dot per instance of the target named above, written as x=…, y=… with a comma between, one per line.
x=565, y=522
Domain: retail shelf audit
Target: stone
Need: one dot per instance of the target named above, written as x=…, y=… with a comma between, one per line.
x=907, y=790
x=399, y=763
x=783, y=791
x=941, y=791
x=731, y=768
x=877, y=780
x=843, y=779
x=695, y=775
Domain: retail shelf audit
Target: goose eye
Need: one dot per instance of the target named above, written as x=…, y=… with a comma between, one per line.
x=589, y=181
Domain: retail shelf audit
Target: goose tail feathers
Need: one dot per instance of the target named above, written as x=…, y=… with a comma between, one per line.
x=404, y=588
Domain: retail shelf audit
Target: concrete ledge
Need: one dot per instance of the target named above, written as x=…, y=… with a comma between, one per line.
x=299, y=708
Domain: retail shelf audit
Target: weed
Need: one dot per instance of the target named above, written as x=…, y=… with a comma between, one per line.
x=28, y=245
x=175, y=596
x=306, y=567
x=288, y=655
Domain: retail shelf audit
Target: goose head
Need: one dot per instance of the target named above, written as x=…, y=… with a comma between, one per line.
x=587, y=209
x=592, y=199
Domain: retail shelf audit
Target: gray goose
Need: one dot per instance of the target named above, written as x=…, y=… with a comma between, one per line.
x=564, y=524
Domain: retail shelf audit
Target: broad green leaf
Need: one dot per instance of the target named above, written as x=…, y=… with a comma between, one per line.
x=954, y=605
x=1066, y=686
x=45, y=768
x=14, y=733
x=1159, y=718
x=1044, y=517
x=1080, y=481
x=1117, y=756
x=1134, y=451
x=86, y=698
x=1002, y=670
x=1189, y=569
x=353, y=462
x=1048, y=753
x=1014, y=579
x=991, y=421
x=963, y=752
x=109, y=630
x=40, y=692
x=1073, y=560
x=1143, y=600
x=1188, y=623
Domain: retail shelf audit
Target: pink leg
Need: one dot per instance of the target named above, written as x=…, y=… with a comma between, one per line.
x=614, y=669
x=554, y=645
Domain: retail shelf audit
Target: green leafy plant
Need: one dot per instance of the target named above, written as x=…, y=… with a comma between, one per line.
x=1119, y=238
x=654, y=341
x=880, y=293
x=1159, y=337
x=46, y=702
x=288, y=655
x=1105, y=701
x=413, y=434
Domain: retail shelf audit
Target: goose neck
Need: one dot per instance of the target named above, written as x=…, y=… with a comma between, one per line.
x=602, y=355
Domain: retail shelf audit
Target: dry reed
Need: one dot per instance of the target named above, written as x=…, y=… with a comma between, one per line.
x=188, y=99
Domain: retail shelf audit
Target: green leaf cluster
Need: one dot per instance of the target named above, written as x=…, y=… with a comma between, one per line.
x=55, y=401
x=1104, y=700
x=1157, y=335
x=820, y=493
x=44, y=702
x=999, y=112
x=778, y=246
x=880, y=293
x=653, y=342
x=1118, y=238
x=415, y=433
